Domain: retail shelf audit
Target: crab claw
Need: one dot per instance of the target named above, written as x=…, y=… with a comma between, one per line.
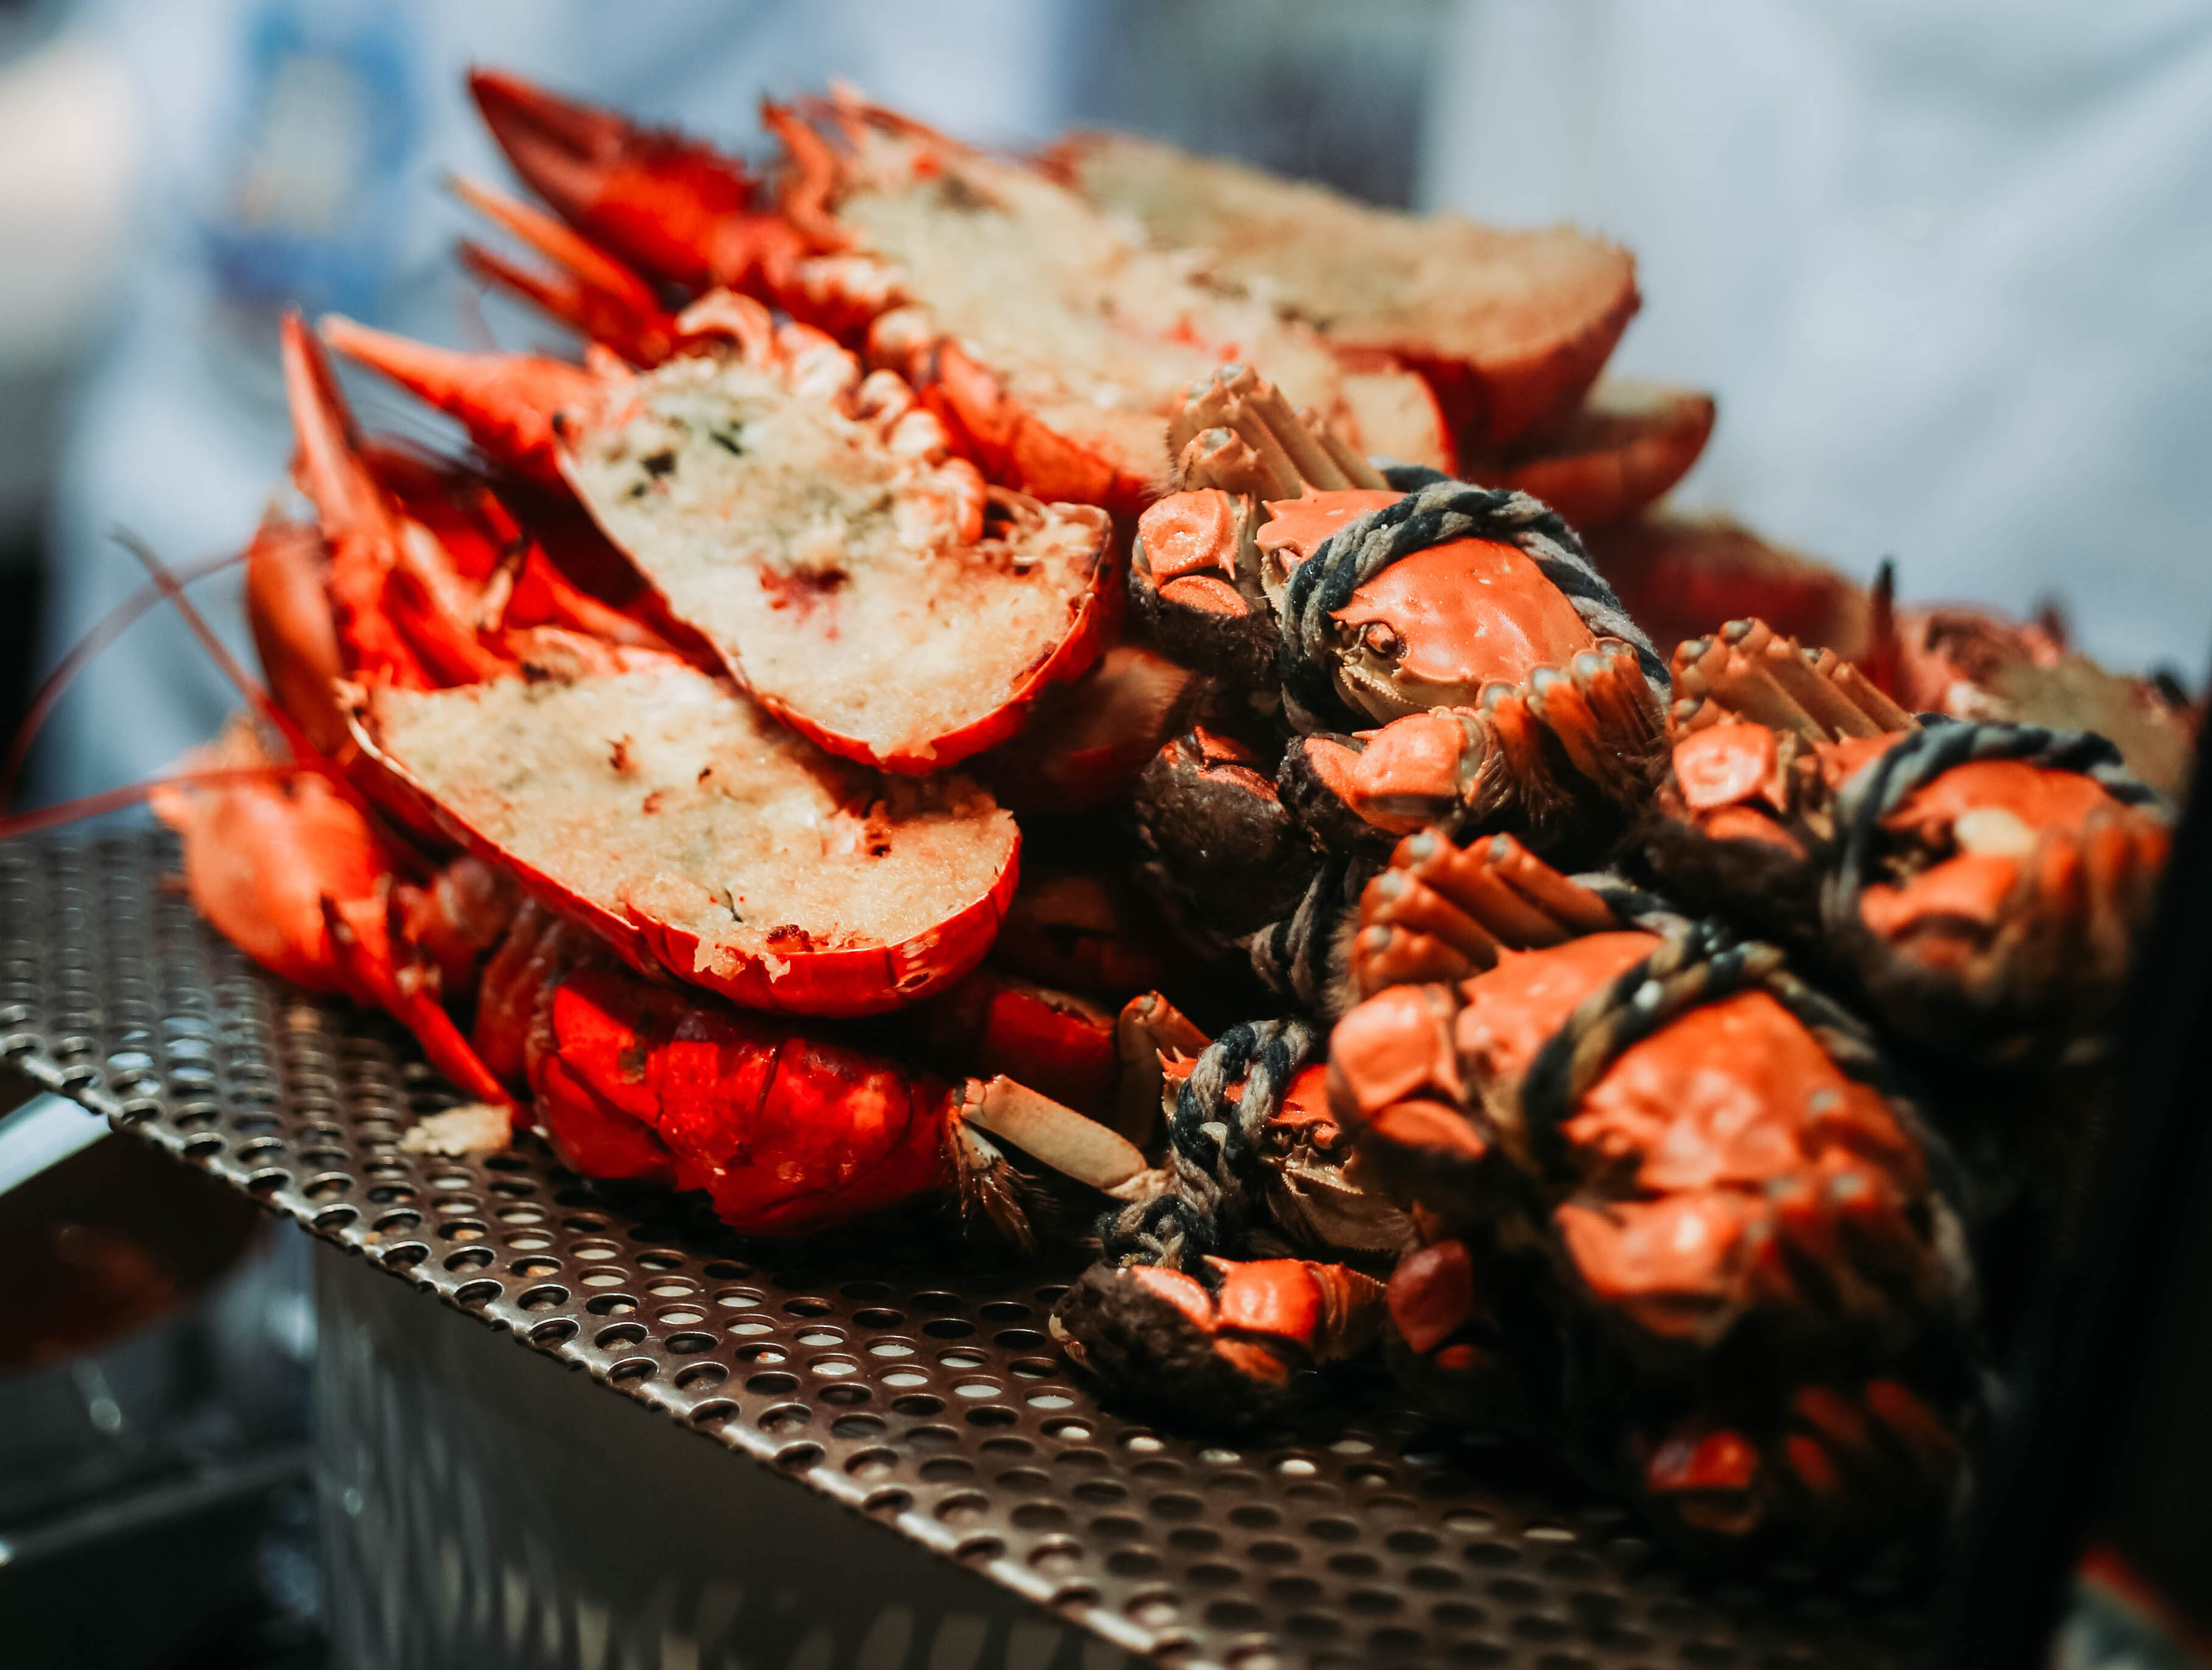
x=1219, y=847
x=1409, y=773
x=511, y=404
x=1835, y=1459
x=677, y=209
x=1226, y=1355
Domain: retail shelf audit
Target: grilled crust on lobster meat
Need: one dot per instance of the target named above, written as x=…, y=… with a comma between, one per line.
x=1053, y=344
x=866, y=585
x=659, y=807
x=804, y=520
x=1509, y=328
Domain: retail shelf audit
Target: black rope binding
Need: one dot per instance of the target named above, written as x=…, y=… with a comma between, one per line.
x=1941, y=744
x=1701, y=962
x=1299, y=958
x=1213, y=1159
x=1436, y=511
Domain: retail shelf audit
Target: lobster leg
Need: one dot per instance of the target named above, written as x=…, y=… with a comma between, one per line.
x=510, y=403
x=403, y=614
x=294, y=874
x=589, y=290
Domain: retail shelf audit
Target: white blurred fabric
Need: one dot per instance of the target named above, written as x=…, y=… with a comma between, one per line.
x=177, y=430
x=1947, y=263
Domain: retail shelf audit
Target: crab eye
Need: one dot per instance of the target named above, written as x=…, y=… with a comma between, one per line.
x=1381, y=640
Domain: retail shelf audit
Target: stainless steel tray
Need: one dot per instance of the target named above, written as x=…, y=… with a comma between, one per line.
x=889, y=1369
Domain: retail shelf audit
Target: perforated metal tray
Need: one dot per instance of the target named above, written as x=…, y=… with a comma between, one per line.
x=892, y=1370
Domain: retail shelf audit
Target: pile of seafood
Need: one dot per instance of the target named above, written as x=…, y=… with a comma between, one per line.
x=1119, y=694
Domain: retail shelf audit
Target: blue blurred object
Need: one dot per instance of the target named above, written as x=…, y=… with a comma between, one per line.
x=320, y=150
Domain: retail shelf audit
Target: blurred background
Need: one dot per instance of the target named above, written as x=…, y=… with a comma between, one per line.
x=1947, y=267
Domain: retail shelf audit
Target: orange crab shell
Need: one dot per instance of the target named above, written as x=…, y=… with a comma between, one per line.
x=1997, y=814
x=1464, y=615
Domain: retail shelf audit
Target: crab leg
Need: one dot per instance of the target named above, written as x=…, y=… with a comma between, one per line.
x=1234, y=430
x=1148, y=1029
x=1071, y=1144
x=1444, y=912
x=1749, y=670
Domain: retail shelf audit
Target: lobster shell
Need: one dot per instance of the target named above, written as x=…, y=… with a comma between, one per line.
x=824, y=968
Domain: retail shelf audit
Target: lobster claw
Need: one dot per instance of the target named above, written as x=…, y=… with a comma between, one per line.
x=677, y=210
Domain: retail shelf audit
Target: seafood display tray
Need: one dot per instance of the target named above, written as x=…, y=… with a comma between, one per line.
x=899, y=1375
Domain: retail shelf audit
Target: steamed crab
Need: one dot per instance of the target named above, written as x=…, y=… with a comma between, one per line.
x=1389, y=651
x=1680, y=1213
x=1256, y=1255
x=1980, y=881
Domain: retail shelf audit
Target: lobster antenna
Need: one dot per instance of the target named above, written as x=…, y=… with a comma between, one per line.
x=1883, y=662
x=114, y=799
x=103, y=632
x=246, y=684
x=309, y=757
